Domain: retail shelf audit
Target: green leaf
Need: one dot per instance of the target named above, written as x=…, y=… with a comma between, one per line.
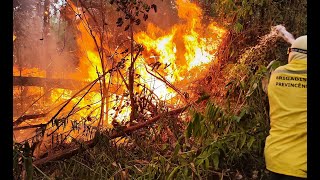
x=242, y=85
x=29, y=168
x=199, y=161
x=176, y=149
x=243, y=112
x=206, y=162
x=243, y=140
x=251, y=90
x=250, y=12
x=162, y=160
x=273, y=65
x=196, y=124
x=203, y=155
x=236, y=141
x=238, y=27
x=164, y=146
x=244, y=2
x=215, y=158
x=236, y=118
x=15, y=159
x=232, y=52
x=173, y=172
x=185, y=170
x=250, y=142
x=196, y=118
x=212, y=112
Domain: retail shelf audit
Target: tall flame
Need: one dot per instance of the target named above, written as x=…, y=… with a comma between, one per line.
x=186, y=48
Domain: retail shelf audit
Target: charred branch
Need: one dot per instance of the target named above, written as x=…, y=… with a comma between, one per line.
x=65, y=153
x=29, y=127
x=27, y=117
x=43, y=82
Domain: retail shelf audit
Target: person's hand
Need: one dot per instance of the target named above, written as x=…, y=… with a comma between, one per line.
x=282, y=32
x=279, y=28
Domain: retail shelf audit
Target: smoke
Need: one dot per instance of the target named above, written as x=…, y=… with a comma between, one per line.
x=41, y=44
x=166, y=15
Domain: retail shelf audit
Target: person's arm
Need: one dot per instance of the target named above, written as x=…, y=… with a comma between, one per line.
x=282, y=32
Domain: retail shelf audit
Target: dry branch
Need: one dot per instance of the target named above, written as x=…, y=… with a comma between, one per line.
x=29, y=127
x=74, y=150
x=43, y=82
x=130, y=129
x=65, y=153
x=27, y=117
x=163, y=79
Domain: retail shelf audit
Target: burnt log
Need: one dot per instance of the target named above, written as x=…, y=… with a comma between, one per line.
x=29, y=127
x=27, y=117
x=43, y=82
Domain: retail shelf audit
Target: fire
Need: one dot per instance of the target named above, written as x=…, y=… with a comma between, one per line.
x=183, y=52
x=90, y=64
x=187, y=47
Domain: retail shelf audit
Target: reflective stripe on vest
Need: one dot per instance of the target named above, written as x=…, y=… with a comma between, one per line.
x=290, y=71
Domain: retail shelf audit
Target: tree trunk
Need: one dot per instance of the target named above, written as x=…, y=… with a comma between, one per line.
x=131, y=78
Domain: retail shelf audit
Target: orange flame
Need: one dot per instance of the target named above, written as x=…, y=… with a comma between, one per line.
x=187, y=47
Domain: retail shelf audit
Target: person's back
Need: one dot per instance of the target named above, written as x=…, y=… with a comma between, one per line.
x=286, y=145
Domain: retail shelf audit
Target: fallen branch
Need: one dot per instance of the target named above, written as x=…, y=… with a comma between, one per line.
x=79, y=148
x=65, y=153
x=27, y=117
x=29, y=127
x=130, y=129
x=42, y=82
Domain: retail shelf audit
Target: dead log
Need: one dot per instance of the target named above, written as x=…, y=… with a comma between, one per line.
x=29, y=127
x=43, y=82
x=67, y=153
x=27, y=117
x=74, y=150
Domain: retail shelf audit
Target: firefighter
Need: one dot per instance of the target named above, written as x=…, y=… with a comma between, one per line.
x=286, y=145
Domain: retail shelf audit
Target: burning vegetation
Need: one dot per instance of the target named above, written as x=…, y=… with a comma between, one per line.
x=161, y=63
x=141, y=81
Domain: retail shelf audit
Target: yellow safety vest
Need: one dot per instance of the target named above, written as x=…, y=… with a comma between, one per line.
x=286, y=145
